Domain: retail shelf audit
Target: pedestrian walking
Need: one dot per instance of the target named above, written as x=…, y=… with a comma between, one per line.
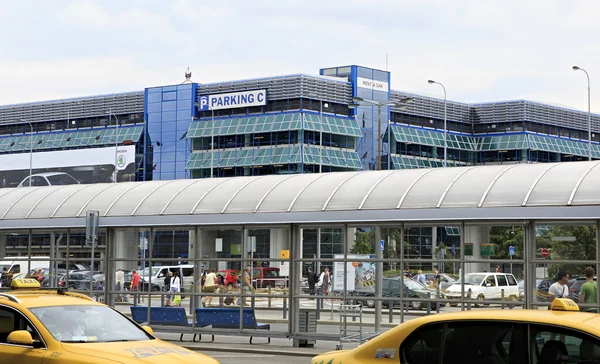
x=210, y=283
x=589, y=291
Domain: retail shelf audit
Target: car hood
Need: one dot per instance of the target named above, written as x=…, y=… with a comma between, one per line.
x=148, y=351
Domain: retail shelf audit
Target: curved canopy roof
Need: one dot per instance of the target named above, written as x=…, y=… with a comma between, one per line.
x=436, y=194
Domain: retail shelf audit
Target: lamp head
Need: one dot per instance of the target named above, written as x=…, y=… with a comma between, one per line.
x=575, y=68
x=357, y=99
x=353, y=106
x=430, y=81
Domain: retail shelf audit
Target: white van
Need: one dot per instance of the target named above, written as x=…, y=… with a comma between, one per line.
x=486, y=286
x=158, y=273
x=21, y=264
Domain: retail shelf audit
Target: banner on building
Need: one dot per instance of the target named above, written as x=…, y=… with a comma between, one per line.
x=85, y=166
x=232, y=100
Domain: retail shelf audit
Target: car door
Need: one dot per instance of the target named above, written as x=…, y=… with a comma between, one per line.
x=469, y=341
x=11, y=320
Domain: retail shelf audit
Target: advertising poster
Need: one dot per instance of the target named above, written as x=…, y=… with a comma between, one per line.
x=85, y=166
x=360, y=273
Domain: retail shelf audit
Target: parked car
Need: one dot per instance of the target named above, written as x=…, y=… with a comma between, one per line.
x=391, y=288
x=230, y=277
x=143, y=284
x=78, y=281
x=49, y=179
x=446, y=279
x=158, y=273
x=265, y=277
x=486, y=286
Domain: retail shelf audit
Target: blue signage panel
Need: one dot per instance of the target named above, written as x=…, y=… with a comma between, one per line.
x=382, y=244
x=232, y=100
x=511, y=250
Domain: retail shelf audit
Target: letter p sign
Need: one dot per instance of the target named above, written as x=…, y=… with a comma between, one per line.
x=203, y=103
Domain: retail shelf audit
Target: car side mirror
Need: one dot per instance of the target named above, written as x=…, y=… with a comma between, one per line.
x=20, y=337
x=148, y=329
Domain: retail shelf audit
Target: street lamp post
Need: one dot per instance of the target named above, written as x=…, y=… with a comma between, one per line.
x=212, y=140
x=364, y=102
x=575, y=68
x=30, y=148
x=445, y=123
x=110, y=114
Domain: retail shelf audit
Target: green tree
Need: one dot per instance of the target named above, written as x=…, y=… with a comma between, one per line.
x=582, y=247
x=503, y=237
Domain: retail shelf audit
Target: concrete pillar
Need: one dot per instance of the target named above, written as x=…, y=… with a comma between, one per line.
x=206, y=246
x=2, y=245
x=350, y=239
x=196, y=251
x=279, y=240
x=125, y=244
x=476, y=235
x=434, y=245
x=378, y=278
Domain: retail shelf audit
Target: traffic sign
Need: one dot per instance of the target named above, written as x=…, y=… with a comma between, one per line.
x=453, y=250
x=382, y=244
x=511, y=250
x=545, y=253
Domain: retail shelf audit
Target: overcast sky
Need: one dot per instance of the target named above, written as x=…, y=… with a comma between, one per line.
x=481, y=50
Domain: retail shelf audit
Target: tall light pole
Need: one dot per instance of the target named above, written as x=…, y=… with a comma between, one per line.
x=445, y=123
x=365, y=102
x=30, y=148
x=212, y=141
x=575, y=68
x=110, y=114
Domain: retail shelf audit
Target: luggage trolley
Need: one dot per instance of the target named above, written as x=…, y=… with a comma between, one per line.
x=357, y=336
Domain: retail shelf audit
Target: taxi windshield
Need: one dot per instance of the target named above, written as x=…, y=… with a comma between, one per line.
x=86, y=324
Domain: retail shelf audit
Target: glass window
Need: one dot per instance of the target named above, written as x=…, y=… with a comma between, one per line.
x=188, y=272
x=502, y=280
x=10, y=320
x=511, y=280
x=424, y=346
x=550, y=342
x=491, y=280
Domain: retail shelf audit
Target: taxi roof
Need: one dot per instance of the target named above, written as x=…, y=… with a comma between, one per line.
x=590, y=321
x=44, y=298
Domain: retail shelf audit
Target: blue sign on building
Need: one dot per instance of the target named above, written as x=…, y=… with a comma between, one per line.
x=511, y=250
x=232, y=100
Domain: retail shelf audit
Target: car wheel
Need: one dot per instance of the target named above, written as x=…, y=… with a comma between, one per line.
x=155, y=288
x=453, y=304
x=513, y=298
x=481, y=297
x=416, y=305
x=370, y=303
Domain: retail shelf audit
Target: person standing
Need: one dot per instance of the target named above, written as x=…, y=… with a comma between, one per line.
x=135, y=281
x=246, y=286
x=589, y=291
x=209, y=287
x=437, y=279
x=174, y=286
x=166, y=288
x=421, y=278
x=559, y=289
x=325, y=281
x=312, y=281
x=120, y=283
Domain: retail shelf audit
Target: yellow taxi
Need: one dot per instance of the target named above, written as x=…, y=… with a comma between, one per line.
x=50, y=326
x=560, y=335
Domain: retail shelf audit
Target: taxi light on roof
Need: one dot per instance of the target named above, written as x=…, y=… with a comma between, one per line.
x=564, y=304
x=25, y=283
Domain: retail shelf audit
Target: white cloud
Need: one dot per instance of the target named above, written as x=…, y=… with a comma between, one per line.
x=482, y=51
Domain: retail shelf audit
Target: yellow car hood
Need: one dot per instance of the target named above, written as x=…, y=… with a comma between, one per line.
x=148, y=351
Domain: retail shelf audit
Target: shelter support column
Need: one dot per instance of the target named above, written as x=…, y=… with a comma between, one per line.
x=279, y=240
x=196, y=251
x=529, y=253
x=476, y=235
x=378, y=278
x=295, y=279
x=2, y=245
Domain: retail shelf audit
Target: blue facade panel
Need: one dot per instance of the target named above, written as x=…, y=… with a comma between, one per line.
x=169, y=111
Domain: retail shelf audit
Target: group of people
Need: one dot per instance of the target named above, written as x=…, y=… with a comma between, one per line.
x=319, y=284
x=588, y=293
x=134, y=285
x=213, y=283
